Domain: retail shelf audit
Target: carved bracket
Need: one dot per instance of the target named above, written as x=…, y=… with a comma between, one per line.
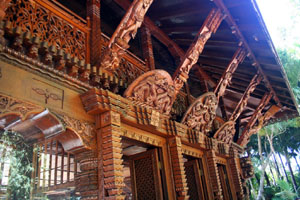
x=201, y=113
x=226, y=132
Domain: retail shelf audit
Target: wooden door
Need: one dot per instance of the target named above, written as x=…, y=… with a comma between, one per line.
x=194, y=176
x=145, y=176
x=224, y=182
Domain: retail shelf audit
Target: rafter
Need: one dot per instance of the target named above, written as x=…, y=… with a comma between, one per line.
x=231, y=22
x=147, y=47
x=126, y=30
x=209, y=26
x=244, y=100
x=225, y=80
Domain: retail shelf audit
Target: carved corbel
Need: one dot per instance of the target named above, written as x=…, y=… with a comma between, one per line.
x=3, y=6
x=243, y=101
x=126, y=30
x=210, y=26
x=226, y=132
x=225, y=80
x=201, y=113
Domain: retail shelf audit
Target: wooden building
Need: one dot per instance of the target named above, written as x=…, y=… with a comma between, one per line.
x=139, y=99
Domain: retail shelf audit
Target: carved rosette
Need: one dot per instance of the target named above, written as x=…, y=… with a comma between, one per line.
x=201, y=113
x=154, y=88
x=247, y=167
x=10, y=105
x=226, y=132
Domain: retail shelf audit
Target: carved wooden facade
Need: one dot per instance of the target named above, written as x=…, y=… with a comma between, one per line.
x=138, y=101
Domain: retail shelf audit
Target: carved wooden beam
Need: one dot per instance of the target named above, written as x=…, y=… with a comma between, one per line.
x=244, y=100
x=248, y=131
x=126, y=30
x=231, y=21
x=147, y=47
x=209, y=26
x=225, y=80
x=3, y=6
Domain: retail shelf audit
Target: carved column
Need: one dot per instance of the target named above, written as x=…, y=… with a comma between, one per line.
x=147, y=47
x=110, y=153
x=87, y=180
x=214, y=174
x=233, y=165
x=178, y=168
x=93, y=12
x=3, y=6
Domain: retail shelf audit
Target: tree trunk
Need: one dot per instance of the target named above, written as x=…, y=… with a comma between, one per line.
x=277, y=167
x=295, y=157
x=286, y=176
x=291, y=171
x=267, y=179
x=273, y=177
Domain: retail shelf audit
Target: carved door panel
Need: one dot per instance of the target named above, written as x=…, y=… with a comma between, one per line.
x=145, y=176
x=226, y=191
x=194, y=176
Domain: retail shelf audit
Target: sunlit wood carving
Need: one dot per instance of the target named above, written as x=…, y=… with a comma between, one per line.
x=126, y=30
x=155, y=89
x=226, y=132
x=225, y=80
x=201, y=113
x=210, y=26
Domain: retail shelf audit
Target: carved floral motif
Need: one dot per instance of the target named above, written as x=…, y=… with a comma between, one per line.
x=42, y=23
x=226, y=132
x=201, y=113
x=155, y=89
x=13, y=106
x=127, y=71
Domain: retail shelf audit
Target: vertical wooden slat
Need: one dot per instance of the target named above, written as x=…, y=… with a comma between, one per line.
x=62, y=165
x=68, y=173
x=50, y=163
x=56, y=161
x=75, y=167
x=45, y=163
x=39, y=165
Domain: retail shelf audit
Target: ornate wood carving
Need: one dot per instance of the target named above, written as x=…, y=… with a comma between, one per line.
x=233, y=166
x=201, y=113
x=10, y=105
x=155, y=89
x=126, y=30
x=210, y=26
x=3, y=6
x=45, y=24
x=226, y=132
x=225, y=80
x=178, y=168
x=127, y=71
x=250, y=128
x=247, y=169
x=244, y=100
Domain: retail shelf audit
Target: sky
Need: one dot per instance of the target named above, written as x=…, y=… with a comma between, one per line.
x=282, y=19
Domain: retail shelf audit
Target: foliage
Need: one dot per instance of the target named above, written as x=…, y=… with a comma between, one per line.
x=19, y=154
x=286, y=191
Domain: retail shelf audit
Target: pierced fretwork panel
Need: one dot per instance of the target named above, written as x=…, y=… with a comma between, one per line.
x=42, y=23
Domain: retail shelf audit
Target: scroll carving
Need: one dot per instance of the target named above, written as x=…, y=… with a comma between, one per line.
x=126, y=30
x=201, y=113
x=9, y=105
x=225, y=80
x=247, y=168
x=84, y=130
x=243, y=101
x=154, y=88
x=210, y=26
x=226, y=132
x=43, y=23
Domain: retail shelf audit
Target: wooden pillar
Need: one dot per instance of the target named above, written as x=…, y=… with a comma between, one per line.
x=3, y=6
x=93, y=13
x=237, y=182
x=178, y=168
x=87, y=180
x=110, y=155
x=147, y=47
x=214, y=174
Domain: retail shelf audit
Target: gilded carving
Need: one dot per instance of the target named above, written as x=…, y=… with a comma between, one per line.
x=155, y=89
x=9, y=105
x=201, y=113
x=226, y=132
